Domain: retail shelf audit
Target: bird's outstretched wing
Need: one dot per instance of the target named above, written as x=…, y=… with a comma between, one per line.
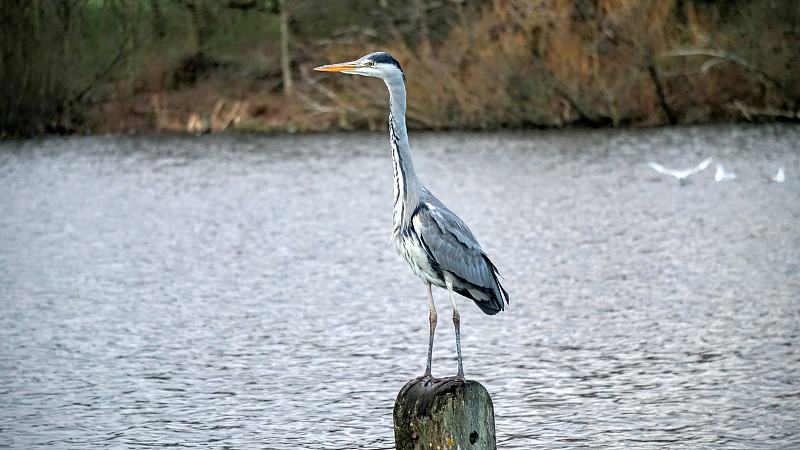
x=701, y=166
x=661, y=169
x=452, y=247
x=680, y=174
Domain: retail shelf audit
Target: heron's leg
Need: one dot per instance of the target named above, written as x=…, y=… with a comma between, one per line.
x=432, y=319
x=457, y=325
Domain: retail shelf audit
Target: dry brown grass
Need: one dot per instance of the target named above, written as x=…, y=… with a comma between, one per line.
x=517, y=63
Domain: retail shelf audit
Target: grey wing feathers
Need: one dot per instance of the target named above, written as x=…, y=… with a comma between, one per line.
x=454, y=249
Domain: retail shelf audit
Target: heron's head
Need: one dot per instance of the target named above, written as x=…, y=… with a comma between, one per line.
x=379, y=65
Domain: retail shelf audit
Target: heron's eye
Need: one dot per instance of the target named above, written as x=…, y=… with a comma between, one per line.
x=370, y=63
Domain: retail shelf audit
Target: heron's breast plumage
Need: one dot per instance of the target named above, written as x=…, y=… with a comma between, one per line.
x=411, y=247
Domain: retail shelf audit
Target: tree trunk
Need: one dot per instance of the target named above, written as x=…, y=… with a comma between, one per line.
x=286, y=62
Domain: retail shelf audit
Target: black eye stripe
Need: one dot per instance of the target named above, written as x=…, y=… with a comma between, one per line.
x=381, y=58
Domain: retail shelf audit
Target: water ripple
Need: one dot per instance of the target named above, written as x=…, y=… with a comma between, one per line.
x=237, y=291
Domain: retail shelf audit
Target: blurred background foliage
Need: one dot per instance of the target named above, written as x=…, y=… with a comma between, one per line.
x=212, y=65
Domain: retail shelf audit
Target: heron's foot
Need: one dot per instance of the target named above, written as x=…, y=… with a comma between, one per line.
x=426, y=379
x=460, y=377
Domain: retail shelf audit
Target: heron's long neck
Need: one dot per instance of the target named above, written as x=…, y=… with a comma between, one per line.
x=407, y=186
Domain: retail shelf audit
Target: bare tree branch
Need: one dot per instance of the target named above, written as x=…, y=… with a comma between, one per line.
x=103, y=74
x=749, y=112
x=717, y=52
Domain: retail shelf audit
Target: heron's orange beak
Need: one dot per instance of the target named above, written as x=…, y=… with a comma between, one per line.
x=341, y=67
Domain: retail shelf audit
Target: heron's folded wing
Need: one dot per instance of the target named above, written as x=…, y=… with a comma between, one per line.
x=451, y=244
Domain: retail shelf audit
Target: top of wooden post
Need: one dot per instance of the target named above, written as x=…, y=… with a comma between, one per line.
x=446, y=413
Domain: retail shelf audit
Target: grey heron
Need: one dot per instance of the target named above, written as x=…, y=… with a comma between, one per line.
x=681, y=175
x=435, y=242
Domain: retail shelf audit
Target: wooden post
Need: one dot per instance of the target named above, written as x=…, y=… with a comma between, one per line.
x=443, y=414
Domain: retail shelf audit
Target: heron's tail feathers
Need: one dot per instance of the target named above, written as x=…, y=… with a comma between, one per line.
x=490, y=299
x=489, y=307
x=500, y=297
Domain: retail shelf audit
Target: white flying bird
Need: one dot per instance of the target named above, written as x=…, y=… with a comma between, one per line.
x=680, y=175
x=779, y=177
x=722, y=175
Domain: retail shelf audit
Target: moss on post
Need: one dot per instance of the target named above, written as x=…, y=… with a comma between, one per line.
x=443, y=414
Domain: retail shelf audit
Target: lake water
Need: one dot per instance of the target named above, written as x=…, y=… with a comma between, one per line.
x=238, y=291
